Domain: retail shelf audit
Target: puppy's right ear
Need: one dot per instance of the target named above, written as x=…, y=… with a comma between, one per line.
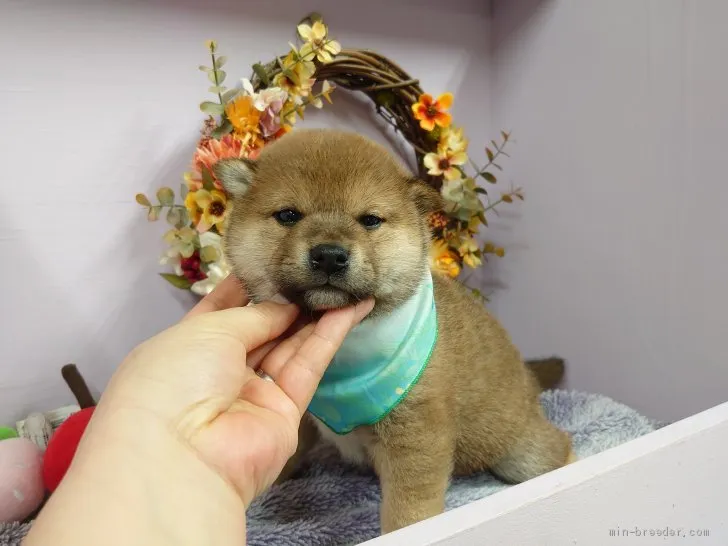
x=426, y=198
x=235, y=174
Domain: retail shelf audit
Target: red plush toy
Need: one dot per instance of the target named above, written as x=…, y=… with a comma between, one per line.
x=62, y=445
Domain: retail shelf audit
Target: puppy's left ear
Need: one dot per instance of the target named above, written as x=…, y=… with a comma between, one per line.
x=235, y=175
x=427, y=198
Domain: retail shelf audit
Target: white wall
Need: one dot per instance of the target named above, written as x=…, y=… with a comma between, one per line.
x=98, y=100
x=618, y=260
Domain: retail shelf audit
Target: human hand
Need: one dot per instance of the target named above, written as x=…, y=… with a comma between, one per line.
x=196, y=383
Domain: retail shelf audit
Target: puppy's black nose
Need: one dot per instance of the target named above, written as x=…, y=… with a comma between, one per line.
x=328, y=258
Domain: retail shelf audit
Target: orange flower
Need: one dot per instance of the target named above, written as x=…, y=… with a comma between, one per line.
x=443, y=260
x=437, y=221
x=433, y=112
x=244, y=117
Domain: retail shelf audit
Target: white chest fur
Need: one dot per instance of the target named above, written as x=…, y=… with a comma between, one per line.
x=351, y=446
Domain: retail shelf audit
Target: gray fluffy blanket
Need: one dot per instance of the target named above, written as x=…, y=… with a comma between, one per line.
x=330, y=503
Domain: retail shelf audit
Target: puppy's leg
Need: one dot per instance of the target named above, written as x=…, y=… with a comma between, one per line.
x=542, y=448
x=414, y=473
x=307, y=437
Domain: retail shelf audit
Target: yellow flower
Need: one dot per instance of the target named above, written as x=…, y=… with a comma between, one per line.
x=192, y=208
x=317, y=43
x=213, y=205
x=245, y=119
x=443, y=260
x=296, y=78
x=470, y=252
x=452, y=139
x=445, y=163
x=431, y=112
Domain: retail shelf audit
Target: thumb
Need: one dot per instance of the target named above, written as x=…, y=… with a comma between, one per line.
x=253, y=325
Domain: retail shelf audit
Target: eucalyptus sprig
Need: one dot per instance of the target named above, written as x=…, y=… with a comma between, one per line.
x=177, y=215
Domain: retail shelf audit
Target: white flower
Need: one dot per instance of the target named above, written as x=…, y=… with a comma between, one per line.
x=273, y=97
x=174, y=260
x=212, y=240
x=216, y=273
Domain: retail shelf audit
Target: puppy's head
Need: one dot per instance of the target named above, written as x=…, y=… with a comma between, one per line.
x=327, y=218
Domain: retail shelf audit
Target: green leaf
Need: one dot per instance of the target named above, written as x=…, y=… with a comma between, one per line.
x=153, y=213
x=220, y=74
x=208, y=181
x=183, y=191
x=205, y=68
x=173, y=216
x=212, y=78
x=481, y=215
x=262, y=74
x=220, y=61
x=184, y=219
x=142, y=200
x=217, y=89
x=212, y=107
x=222, y=130
x=481, y=190
x=178, y=282
x=489, y=177
x=165, y=196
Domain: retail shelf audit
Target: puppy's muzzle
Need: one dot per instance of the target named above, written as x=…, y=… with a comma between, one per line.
x=328, y=258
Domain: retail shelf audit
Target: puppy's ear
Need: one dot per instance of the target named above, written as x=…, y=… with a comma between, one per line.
x=427, y=198
x=235, y=175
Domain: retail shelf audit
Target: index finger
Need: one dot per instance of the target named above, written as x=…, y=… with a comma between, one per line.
x=228, y=293
x=300, y=377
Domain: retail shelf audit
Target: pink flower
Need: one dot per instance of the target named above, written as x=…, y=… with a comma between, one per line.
x=270, y=121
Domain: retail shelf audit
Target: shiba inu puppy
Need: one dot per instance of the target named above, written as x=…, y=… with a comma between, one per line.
x=429, y=385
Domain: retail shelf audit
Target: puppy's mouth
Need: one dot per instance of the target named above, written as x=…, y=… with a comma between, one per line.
x=322, y=297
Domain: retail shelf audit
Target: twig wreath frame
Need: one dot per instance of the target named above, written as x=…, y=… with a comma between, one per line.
x=243, y=119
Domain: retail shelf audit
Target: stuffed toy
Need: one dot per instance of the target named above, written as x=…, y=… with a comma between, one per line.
x=21, y=484
x=64, y=441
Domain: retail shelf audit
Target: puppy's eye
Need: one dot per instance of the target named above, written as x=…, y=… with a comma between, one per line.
x=370, y=221
x=287, y=217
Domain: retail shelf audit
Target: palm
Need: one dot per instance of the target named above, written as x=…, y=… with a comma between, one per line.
x=251, y=442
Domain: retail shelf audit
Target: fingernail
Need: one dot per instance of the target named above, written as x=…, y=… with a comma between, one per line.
x=362, y=309
x=279, y=298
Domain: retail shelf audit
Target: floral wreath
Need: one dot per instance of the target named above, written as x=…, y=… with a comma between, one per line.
x=243, y=119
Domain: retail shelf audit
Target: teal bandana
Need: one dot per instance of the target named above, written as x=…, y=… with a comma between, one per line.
x=378, y=363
